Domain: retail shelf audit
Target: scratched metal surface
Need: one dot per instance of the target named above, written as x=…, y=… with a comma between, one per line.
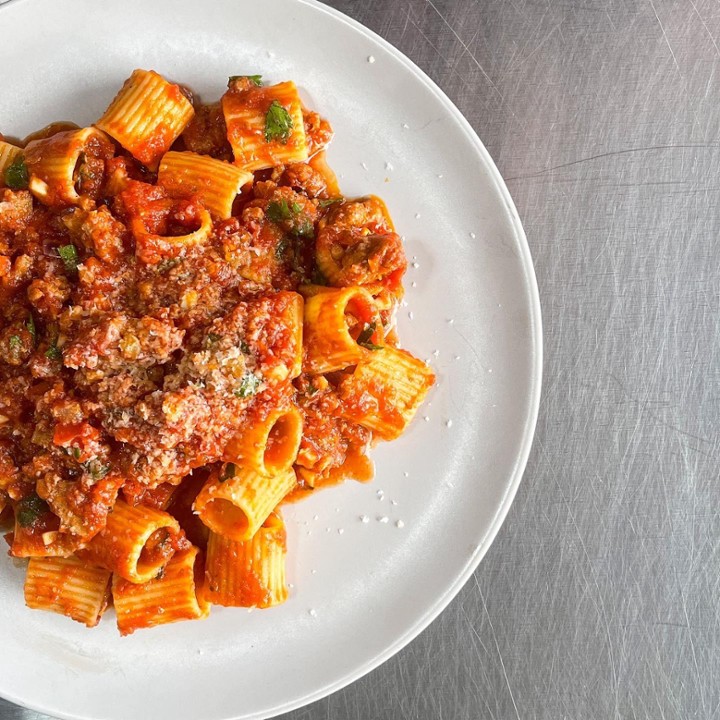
x=599, y=598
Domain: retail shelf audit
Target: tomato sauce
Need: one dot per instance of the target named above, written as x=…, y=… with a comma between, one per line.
x=124, y=358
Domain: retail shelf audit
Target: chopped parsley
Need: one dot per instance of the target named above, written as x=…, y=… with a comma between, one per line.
x=54, y=352
x=228, y=472
x=318, y=277
x=304, y=228
x=255, y=79
x=16, y=174
x=365, y=334
x=14, y=342
x=281, y=248
x=211, y=338
x=69, y=255
x=248, y=385
x=329, y=201
x=279, y=210
x=278, y=123
x=29, y=509
x=96, y=469
x=30, y=325
x=168, y=264
x=244, y=347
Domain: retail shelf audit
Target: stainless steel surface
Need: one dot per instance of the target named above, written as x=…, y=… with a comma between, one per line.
x=599, y=598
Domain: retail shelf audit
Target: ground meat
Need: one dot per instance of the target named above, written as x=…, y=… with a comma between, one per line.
x=303, y=178
x=16, y=344
x=47, y=295
x=207, y=133
x=131, y=355
x=317, y=131
x=15, y=210
x=118, y=340
x=99, y=232
x=365, y=213
x=81, y=504
x=327, y=438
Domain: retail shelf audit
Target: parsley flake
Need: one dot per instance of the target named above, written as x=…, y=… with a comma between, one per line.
x=54, y=353
x=281, y=248
x=16, y=174
x=29, y=509
x=69, y=255
x=248, y=385
x=95, y=469
x=278, y=210
x=14, y=342
x=329, y=202
x=278, y=123
x=365, y=334
x=30, y=325
x=254, y=79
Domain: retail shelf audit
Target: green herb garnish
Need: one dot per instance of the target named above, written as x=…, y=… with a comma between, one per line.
x=228, y=472
x=244, y=347
x=168, y=264
x=14, y=342
x=54, y=353
x=69, y=255
x=16, y=175
x=95, y=469
x=29, y=509
x=365, y=334
x=329, y=201
x=318, y=277
x=278, y=123
x=304, y=228
x=281, y=248
x=278, y=210
x=30, y=325
x=248, y=385
x=255, y=79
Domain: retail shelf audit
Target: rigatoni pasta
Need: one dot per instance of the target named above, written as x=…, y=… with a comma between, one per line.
x=174, y=594
x=385, y=391
x=265, y=125
x=249, y=573
x=65, y=168
x=147, y=116
x=340, y=327
x=197, y=328
x=214, y=182
x=136, y=543
x=235, y=501
x=269, y=443
x=68, y=586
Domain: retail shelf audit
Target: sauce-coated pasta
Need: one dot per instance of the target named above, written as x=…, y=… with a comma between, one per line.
x=195, y=326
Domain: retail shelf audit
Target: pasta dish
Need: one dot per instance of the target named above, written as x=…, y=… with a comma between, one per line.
x=197, y=327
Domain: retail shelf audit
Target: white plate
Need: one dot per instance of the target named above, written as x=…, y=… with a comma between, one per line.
x=474, y=313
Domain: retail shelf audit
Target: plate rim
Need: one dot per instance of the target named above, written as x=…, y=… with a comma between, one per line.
x=528, y=430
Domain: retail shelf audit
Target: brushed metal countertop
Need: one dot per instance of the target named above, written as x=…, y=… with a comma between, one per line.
x=599, y=598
